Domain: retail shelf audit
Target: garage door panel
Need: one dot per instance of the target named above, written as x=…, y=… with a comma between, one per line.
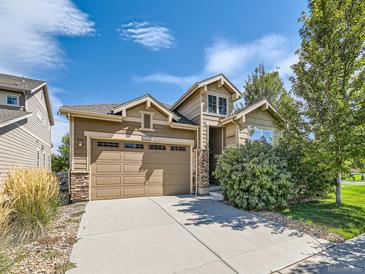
x=133, y=156
x=175, y=189
x=107, y=167
x=134, y=191
x=108, y=193
x=134, y=180
x=101, y=180
x=133, y=168
x=154, y=190
x=108, y=155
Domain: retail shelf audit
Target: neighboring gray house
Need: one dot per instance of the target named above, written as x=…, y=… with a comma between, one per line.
x=25, y=123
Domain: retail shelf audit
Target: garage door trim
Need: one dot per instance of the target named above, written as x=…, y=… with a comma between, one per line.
x=133, y=138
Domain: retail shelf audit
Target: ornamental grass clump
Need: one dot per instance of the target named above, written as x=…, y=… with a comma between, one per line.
x=254, y=177
x=34, y=198
x=5, y=212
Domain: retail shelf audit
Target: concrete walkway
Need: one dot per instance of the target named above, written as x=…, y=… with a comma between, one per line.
x=183, y=235
x=348, y=257
x=353, y=183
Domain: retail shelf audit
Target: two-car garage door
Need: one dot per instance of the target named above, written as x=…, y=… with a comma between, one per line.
x=128, y=169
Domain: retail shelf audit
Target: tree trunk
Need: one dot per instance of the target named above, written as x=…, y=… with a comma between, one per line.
x=338, y=189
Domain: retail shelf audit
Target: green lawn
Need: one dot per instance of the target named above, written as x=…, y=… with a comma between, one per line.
x=355, y=178
x=347, y=220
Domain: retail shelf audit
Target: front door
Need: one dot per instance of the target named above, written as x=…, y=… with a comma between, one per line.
x=215, y=149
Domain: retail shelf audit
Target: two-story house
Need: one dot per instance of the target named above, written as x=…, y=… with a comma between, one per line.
x=146, y=148
x=25, y=124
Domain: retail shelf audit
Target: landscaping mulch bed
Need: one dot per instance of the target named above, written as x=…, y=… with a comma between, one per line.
x=313, y=230
x=51, y=252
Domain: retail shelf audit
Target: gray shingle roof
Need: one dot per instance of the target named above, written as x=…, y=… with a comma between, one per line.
x=106, y=109
x=18, y=83
x=99, y=108
x=7, y=115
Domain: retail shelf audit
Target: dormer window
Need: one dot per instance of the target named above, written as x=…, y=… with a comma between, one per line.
x=12, y=100
x=217, y=104
x=147, y=123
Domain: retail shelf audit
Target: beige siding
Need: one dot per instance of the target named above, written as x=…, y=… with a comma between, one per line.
x=129, y=128
x=38, y=123
x=136, y=112
x=231, y=135
x=261, y=119
x=19, y=149
x=191, y=107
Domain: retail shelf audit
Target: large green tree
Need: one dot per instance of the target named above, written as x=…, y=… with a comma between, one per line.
x=330, y=80
x=61, y=161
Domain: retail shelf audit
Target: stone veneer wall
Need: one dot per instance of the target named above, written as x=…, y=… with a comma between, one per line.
x=203, y=171
x=79, y=186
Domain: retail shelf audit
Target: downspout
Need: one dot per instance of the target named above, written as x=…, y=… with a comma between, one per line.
x=70, y=155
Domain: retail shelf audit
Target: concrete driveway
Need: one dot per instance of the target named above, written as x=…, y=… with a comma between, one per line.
x=183, y=234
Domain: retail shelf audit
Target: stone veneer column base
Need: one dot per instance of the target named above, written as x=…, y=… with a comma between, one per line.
x=79, y=186
x=203, y=171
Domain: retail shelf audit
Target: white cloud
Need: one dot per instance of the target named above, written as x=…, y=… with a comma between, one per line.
x=168, y=79
x=236, y=60
x=151, y=36
x=29, y=30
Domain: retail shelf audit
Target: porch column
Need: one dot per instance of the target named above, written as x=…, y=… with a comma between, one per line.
x=203, y=171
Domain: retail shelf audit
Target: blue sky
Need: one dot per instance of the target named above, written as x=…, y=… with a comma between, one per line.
x=93, y=52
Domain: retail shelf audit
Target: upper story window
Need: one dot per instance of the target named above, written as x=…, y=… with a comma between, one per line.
x=260, y=134
x=222, y=105
x=12, y=100
x=147, y=121
x=212, y=103
x=217, y=104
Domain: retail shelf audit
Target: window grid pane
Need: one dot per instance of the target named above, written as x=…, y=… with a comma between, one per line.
x=262, y=135
x=131, y=145
x=157, y=147
x=212, y=103
x=107, y=144
x=12, y=100
x=222, y=105
x=178, y=148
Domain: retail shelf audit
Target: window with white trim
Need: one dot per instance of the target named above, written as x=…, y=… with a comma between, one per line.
x=147, y=121
x=12, y=100
x=260, y=134
x=217, y=104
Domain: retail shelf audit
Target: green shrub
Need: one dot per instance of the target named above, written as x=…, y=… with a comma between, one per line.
x=34, y=197
x=310, y=175
x=253, y=177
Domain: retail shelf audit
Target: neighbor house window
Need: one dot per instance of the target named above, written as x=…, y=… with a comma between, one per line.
x=147, y=120
x=260, y=134
x=12, y=100
x=217, y=104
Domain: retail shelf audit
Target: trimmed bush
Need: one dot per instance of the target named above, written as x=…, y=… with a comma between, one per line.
x=34, y=197
x=253, y=177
